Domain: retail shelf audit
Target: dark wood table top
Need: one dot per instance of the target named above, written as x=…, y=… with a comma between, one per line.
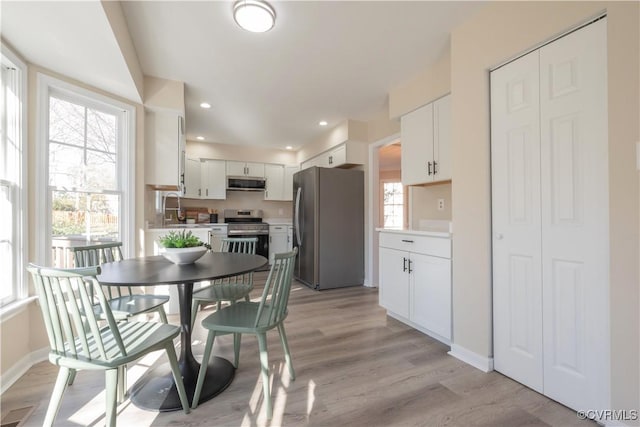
x=154, y=270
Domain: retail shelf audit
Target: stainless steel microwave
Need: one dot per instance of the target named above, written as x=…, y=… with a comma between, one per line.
x=245, y=183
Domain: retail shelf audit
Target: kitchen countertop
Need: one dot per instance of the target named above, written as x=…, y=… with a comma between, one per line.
x=431, y=232
x=278, y=221
x=184, y=226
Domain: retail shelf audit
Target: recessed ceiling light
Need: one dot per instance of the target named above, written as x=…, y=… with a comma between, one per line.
x=254, y=15
x=200, y=138
x=205, y=105
x=323, y=123
x=288, y=147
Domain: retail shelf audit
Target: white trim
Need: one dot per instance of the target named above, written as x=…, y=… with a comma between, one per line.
x=372, y=208
x=22, y=195
x=14, y=373
x=484, y=363
x=126, y=165
x=14, y=308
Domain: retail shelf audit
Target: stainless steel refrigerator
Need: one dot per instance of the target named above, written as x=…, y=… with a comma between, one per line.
x=328, y=223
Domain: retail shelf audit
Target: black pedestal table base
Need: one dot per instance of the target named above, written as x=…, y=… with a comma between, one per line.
x=157, y=391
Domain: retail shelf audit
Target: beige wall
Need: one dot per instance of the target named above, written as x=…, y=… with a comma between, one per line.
x=422, y=89
x=381, y=127
x=424, y=203
x=497, y=33
x=163, y=93
x=349, y=130
x=118, y=24
x=208, y=150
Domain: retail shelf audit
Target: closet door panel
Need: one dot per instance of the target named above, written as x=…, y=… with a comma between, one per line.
x=575, y=221
x=517, y=298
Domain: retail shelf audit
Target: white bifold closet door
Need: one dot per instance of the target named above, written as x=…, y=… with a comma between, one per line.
x=550, y=205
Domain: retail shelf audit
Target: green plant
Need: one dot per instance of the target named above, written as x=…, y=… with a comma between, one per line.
x=181, y=239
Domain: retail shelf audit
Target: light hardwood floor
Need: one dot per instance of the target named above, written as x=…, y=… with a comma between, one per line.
x=355, y=366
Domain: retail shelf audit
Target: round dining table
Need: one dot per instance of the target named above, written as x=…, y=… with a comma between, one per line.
x=156, y=389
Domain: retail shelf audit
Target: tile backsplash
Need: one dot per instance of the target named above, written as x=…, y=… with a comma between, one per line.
x=235, y=200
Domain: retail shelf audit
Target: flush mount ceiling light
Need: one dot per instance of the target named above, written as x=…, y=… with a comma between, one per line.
x=254, y=15
x=288, y=147
x=205, y=105
x=200, y=138
x=323, y=123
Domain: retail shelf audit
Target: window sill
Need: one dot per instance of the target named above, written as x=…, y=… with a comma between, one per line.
x=14, y=308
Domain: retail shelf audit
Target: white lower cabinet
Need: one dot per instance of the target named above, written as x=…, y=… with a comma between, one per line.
x=277, y=240
x=415, y=281
x=216, y=234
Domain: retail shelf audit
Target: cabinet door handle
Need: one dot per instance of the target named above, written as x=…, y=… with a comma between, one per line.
x=410, y=270
x=199, y=192
x=429, y=168
x=404, y=264
x=407, y=241
x=435, y=171
x=330, y=160
x=270, y=239
x=207, y=191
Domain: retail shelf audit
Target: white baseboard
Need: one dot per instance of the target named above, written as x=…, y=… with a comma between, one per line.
x=483, y=363
x=14, y=373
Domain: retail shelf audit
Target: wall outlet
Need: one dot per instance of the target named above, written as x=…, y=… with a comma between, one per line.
x=440, y=204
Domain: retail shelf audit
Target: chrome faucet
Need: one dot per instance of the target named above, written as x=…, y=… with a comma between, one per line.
x=164, y=207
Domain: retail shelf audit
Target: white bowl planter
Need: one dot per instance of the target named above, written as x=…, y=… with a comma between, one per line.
x=182, y=256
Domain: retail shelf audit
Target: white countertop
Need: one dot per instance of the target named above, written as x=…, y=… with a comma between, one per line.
x=185, y=226
x=433, y=232
x=278, y=221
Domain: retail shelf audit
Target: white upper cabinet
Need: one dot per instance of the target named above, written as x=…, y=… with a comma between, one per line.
x=279, y=181
x=274, y=175
x=165, y=143
x=347, y=153
x=192, y=178
x=213, y=179
x=255, y=170
x=426, y=143
x=287, y=188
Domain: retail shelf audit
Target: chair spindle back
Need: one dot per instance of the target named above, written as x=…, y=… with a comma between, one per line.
x=92, y=255
x=275, y=297
x=66, y=301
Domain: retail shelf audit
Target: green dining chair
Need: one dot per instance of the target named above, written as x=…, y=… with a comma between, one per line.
x=79, y=339
x=123, y=301
x=230, y=289
x=255, y=318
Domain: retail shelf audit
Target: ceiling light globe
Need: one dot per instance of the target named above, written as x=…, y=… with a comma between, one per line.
x=254, y=15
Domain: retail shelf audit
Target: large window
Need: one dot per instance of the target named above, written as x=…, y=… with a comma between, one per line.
x=393, y=205
x=88, y=178
x=12, y=183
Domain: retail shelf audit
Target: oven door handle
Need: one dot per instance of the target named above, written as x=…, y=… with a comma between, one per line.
x=297, y=216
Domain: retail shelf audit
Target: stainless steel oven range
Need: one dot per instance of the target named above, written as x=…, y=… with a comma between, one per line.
x=248, y=223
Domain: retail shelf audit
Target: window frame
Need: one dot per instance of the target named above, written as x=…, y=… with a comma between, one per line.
x=47, y=86
x=404, y=201
x=19, y=192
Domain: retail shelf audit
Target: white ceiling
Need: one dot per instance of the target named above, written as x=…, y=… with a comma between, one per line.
x=70, y=38
x=324, y=60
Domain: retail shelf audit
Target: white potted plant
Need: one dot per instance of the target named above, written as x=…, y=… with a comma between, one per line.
x=182, y=247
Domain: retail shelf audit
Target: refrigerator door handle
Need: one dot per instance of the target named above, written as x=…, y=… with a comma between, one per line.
x=297, y=216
